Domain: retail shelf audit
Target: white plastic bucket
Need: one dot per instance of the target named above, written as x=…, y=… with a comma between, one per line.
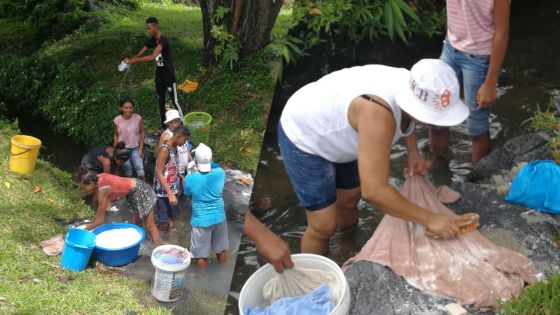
x=169, y=279
x=251, y=293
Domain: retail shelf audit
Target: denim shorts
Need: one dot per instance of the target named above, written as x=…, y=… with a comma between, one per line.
x=314, y=179
x=471, y=71
x=134, y=163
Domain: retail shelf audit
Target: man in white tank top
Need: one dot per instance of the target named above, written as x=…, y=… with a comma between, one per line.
x=335, y=137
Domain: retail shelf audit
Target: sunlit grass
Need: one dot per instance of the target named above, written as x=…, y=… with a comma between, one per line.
x=541, y=298
x=36, y=207
x=548, y=119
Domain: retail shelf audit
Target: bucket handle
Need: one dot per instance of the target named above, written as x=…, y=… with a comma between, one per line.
x=16, y=154
x=22, y=146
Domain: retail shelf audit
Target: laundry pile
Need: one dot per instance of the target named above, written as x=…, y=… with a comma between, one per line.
x=299, y=290
x=468, y=268
x=171, y=256
x=117, y=238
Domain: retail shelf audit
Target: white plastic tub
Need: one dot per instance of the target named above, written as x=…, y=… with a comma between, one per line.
x=251, y=293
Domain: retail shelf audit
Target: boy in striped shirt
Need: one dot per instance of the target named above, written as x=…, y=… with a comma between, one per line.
x=475, y=47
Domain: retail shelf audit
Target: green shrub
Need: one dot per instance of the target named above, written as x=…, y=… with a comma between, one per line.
x=22, y=83
x=82, y=111
x=341, y=23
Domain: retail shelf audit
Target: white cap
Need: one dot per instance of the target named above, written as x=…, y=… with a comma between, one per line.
x=171, y=115
x=431, y=95
x=203, y=157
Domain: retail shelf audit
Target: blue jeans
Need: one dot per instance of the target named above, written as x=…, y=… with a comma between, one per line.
x=314, y=179
x=134, y=163
x=471, y=71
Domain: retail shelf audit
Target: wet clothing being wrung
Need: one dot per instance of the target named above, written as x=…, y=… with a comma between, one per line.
x=469, y=268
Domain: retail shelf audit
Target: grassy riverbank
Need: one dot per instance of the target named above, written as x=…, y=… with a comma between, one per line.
x=73, y=81
x=33, y=208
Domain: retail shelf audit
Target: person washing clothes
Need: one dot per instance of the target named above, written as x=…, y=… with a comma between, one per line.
x=475, y=47
x=335, y=137
x=209, y=225
x=165, y=72
x=173, y=120
x=106, y=159
x=166, y=183
x=105, y=188
x=129, y=128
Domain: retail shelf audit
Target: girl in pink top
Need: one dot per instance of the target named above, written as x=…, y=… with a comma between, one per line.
x=105, y=188
x=475, y=47
x=130, y=129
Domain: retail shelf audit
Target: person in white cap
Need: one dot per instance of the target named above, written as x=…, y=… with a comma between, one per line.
x=172, y=121
x=208, y=220
x=335, y=137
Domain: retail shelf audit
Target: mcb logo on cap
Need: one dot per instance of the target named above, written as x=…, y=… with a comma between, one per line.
x=438, y=100
x=430, y=94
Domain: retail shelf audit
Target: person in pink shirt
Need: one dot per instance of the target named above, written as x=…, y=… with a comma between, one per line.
x=475, y=47
x=105, y=188
x=129, y=129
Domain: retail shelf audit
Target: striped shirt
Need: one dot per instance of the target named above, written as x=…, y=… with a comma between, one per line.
x=470, y=25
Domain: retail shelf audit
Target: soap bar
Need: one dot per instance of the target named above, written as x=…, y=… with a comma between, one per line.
x=455, y=309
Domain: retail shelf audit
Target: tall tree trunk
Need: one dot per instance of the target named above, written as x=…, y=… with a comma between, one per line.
x=256, y=23
x=237, y=6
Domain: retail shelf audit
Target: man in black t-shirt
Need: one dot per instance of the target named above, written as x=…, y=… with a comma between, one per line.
x=165, y=73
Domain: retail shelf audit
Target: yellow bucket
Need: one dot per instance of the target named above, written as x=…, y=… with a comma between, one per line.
x=23, y=154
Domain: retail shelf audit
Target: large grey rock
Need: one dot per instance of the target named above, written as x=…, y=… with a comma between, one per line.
x=237, y=195
x=523, y=148
x=377, y=290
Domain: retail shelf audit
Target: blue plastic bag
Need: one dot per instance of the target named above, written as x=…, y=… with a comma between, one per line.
x=537, y=186
x=315, y=303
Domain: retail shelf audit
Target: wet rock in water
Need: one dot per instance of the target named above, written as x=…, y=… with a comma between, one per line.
x=536, y=236
x=237, y=193
x=522, y=148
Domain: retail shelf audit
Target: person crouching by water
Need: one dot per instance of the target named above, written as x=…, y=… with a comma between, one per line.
x=106, y=159
x=105, y=188
x=166, y=183
x=209, y=225
x=335, y=137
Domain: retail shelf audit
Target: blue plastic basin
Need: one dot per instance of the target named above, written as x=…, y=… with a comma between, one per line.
x=78, y=246
x=122, y=256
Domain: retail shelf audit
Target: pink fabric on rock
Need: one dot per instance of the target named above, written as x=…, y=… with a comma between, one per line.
x=469, y=268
